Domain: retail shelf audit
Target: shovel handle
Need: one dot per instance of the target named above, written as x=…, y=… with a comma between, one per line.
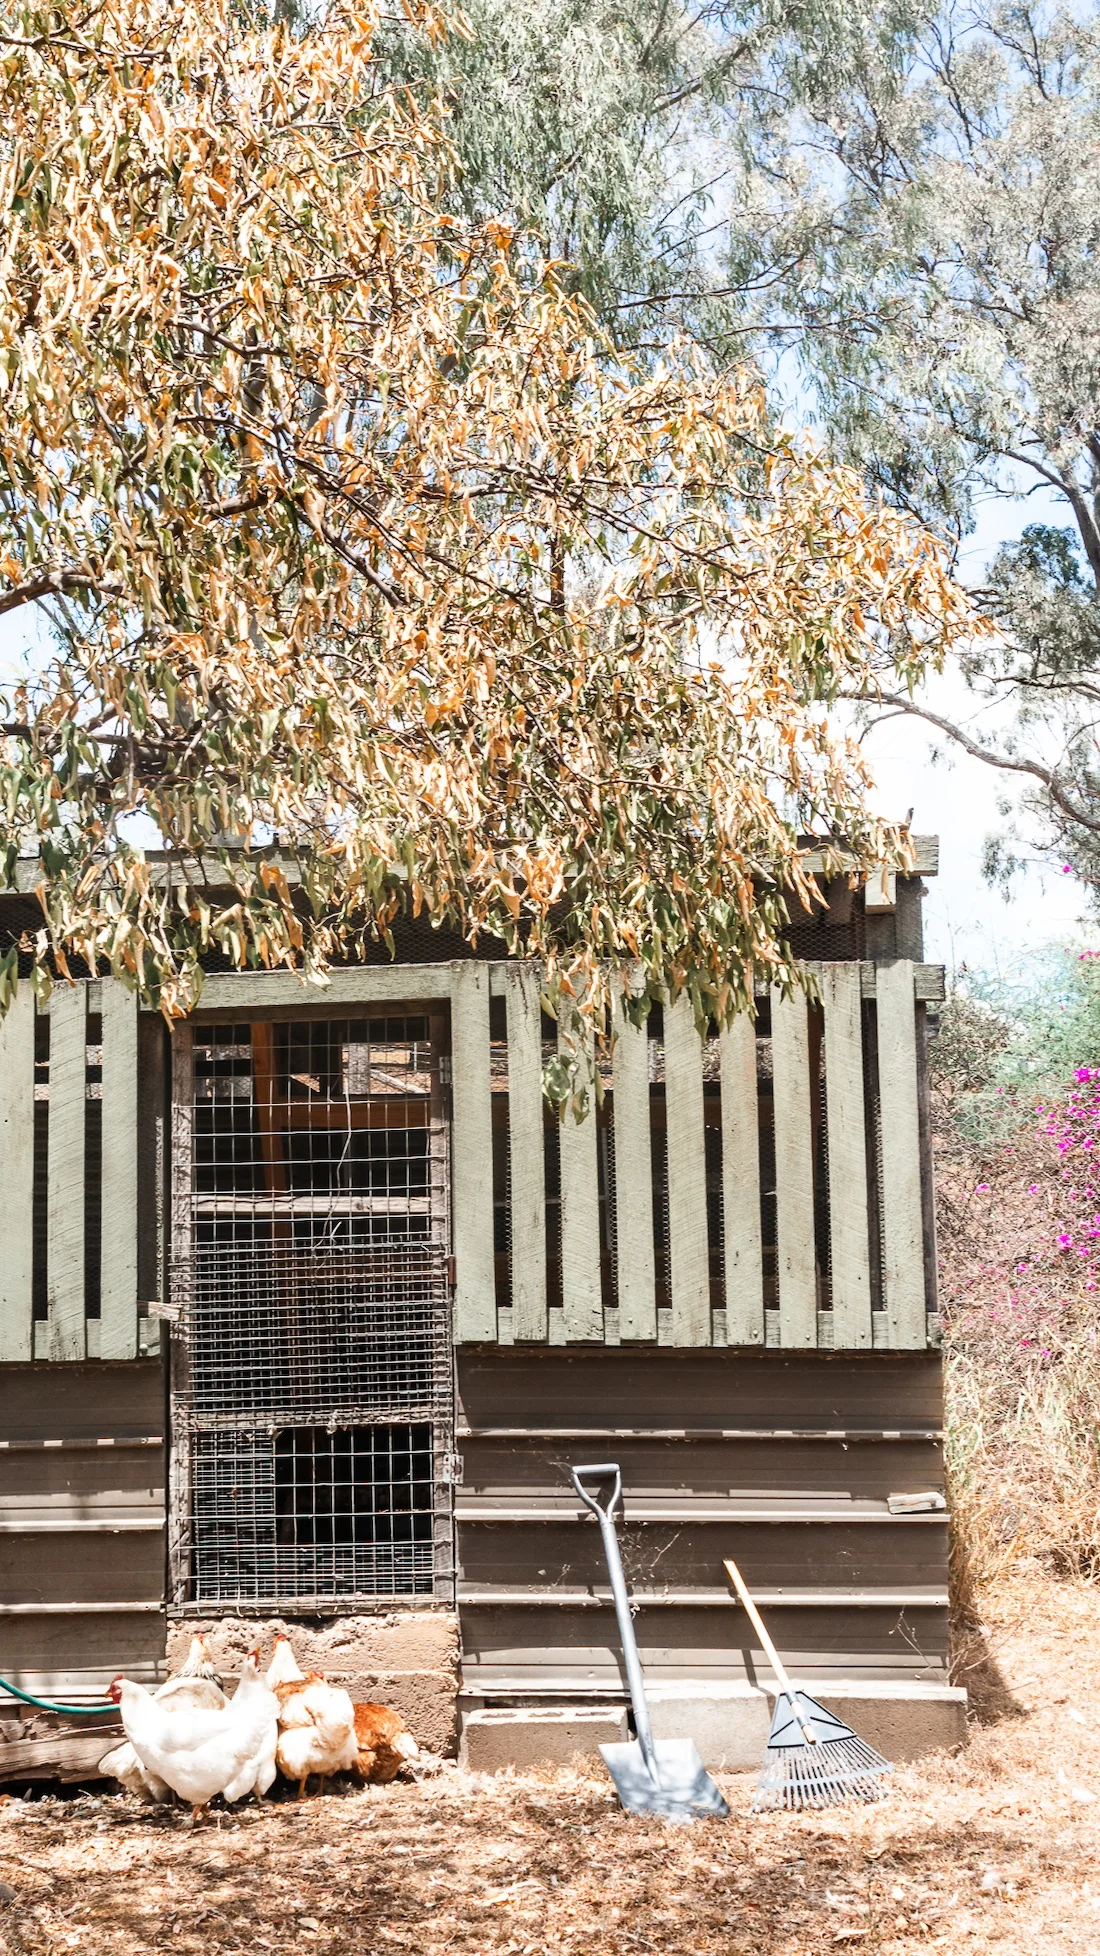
x=767, y=1646
x=609, y=1472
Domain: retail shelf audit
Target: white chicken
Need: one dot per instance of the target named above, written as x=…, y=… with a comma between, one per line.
x=200, y=1751
x=316, y=1720
x=195, y=1684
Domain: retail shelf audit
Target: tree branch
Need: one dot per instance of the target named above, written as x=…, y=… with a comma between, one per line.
x=1006, y=762
x=51, y=585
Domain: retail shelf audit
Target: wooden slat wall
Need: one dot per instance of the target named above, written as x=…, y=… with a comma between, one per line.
x=65, y=1174
x=17, y=1177
x=527, y=1154
x=637, y=1284
x=68, y=1336
x=902, y=1220
x=797, y=1323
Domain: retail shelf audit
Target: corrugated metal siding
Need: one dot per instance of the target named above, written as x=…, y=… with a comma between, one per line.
x=782, y=1460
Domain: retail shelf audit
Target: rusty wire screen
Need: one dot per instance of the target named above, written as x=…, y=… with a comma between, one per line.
x=313, y=1386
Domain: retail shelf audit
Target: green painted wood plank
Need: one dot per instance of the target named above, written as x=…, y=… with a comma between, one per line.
x=369, y=984
x=582, y=1295
x=902, y=1221
x=119, y=1230
x=475, y=1303
x=17, y=1177
x=850, y=1264
x=526, y=1151
x=65, y=1175
x=687, y=1178
x=636, y=1284
x=794, y=1179
x=744, y=1257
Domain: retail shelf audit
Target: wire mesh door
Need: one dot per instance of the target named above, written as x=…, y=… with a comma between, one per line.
x=312, y=1376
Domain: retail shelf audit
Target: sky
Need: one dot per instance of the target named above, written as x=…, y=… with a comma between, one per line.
x=956, y=798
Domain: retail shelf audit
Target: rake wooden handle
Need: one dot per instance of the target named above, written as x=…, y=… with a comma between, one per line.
x=767, y=1646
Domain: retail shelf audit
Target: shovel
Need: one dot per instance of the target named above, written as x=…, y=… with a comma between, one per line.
x=662, y=1776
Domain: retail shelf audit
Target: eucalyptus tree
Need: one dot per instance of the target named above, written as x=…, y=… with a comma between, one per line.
x=363, y=540
x=644, y=144
x=897, y=208
x=949, y=315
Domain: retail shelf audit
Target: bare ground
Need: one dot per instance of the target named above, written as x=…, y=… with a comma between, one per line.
x=995, y=1849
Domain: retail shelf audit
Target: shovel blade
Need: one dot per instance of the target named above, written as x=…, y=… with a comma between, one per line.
x=682, y=1790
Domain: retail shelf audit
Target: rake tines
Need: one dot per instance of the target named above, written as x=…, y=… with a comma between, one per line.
x=813, y=1758
x=830, y=1773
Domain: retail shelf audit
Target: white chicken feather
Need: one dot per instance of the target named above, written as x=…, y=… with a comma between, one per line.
x=195, y=1684
x=316, y=1720
x=201, y=1751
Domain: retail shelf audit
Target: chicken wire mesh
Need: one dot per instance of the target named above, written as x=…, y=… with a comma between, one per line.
x=312, y=1393
x=310, y=1514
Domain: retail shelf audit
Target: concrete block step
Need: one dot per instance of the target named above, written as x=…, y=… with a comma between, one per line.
x=526, y=1738
x=729, y=1723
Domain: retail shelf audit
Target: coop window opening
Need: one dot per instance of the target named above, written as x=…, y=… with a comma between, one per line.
x=314, y=1395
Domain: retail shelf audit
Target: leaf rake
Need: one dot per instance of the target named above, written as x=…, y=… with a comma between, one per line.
x=813, y=1759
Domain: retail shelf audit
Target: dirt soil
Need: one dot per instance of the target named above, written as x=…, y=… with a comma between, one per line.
x=997, y=1848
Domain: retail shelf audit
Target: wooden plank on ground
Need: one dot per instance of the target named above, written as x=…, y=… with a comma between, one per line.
x=902, y=1221
x=689, y=1257
x=119, y=1198
x=70, y=1755
x=475, y=1301
x=794, y=1178
x=17, y=1177
x=526, y=1153
x=65, y=1175
x=636, y=1286
x=582, y=1295
x=744, y=1258
x=842, y=999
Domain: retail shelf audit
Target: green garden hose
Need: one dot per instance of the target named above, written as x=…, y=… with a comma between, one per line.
x=70, y=1711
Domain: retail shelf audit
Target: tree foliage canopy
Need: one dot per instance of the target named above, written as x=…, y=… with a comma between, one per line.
x=950, y=313
x=647, y=145
x=367, y=552
x=902, y=202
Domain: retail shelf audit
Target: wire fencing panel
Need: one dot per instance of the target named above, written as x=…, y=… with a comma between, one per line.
x=312, y=1390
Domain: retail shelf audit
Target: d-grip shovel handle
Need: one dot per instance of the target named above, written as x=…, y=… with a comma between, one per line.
x=605, y=1515
x=601, y=1474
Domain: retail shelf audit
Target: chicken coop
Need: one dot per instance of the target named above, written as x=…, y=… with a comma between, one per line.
x=308, y=1307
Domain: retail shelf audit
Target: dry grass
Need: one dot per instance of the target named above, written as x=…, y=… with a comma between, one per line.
x=997, y=1849
x=1022, y=1359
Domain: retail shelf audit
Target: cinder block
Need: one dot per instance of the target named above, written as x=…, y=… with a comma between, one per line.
x=493, y=1739
x=728, y=1722
x=902, y=1721
x=404, y=1658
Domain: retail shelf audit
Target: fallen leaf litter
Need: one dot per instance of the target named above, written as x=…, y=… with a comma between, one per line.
x=989, y=1851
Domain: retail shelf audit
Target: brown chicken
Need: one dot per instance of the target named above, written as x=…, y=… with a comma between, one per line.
x=385, y=1743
